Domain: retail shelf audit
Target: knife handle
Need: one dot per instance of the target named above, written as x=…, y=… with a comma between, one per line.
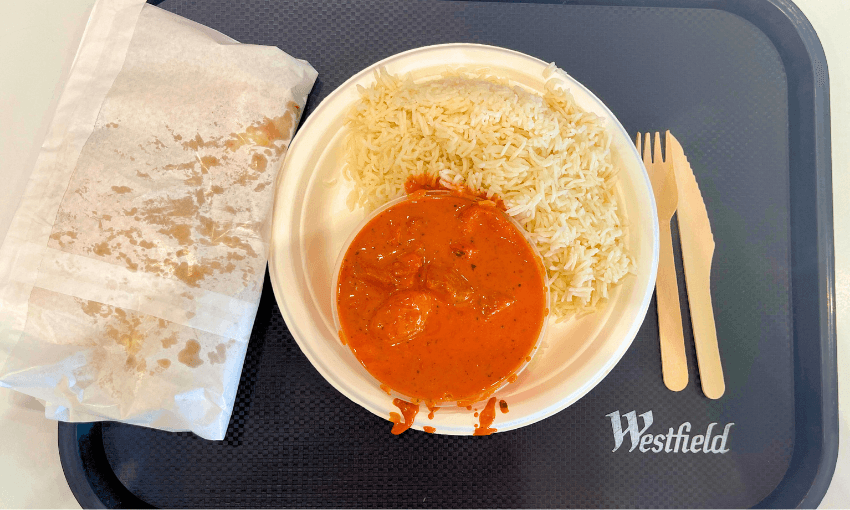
x=705, y=340
x=674, y=364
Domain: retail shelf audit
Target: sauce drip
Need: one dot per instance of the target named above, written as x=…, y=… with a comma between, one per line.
x=503, y=406
x=432, y=408
x=429, y=430
x=408, y=410
x=487, y=417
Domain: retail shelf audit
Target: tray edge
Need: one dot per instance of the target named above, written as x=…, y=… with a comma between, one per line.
x=87, y=471
x=806, y=490
x=74, y=465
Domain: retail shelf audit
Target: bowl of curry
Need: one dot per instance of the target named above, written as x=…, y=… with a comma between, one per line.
x=440, y=297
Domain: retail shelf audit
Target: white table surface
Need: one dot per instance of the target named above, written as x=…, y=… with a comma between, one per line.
x=38, y=40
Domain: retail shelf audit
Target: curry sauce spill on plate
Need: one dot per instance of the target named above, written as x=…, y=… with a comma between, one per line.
x=408, y=414
x=441, y=298
x=488, y=415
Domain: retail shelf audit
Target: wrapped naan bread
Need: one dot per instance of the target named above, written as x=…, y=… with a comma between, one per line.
x=132, y=271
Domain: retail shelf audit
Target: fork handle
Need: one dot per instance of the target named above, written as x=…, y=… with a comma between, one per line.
x=674, y=365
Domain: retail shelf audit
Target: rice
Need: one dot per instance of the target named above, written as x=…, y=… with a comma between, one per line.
x=547, y=159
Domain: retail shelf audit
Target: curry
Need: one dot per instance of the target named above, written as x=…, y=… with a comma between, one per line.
x=441, y=298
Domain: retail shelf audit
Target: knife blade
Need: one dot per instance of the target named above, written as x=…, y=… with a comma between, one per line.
x=697, y=243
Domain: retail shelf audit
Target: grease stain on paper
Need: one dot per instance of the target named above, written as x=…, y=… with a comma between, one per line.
x=189, y=355
x=195, y=220
x=169, y=341
x=219, y=355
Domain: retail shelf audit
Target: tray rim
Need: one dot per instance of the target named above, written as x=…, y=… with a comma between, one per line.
x=800, y=488
x=809, y=472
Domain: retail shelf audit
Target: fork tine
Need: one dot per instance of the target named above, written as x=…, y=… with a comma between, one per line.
x=647, y=149
x=659, y=157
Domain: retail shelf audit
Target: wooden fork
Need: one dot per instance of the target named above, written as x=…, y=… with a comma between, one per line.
x=674, y=365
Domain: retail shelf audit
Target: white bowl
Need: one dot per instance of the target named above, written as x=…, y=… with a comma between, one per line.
x=311, y=223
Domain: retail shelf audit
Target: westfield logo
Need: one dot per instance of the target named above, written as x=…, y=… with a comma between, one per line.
x=674, y=441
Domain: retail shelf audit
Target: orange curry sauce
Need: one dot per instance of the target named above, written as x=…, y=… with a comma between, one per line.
x=441, y=298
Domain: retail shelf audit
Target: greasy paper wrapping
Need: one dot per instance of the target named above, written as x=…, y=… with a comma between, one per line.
x=132, y=271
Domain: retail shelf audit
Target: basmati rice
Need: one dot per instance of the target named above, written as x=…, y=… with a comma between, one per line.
x=546, y=158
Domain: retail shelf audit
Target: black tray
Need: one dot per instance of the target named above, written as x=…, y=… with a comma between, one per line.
x=743, y=85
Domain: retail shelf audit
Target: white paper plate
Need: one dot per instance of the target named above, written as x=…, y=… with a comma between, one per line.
x=311, y=223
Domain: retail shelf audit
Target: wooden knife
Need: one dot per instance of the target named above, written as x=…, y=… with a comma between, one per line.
x=697, y=251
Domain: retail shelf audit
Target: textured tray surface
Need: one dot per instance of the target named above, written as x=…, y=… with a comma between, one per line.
x=710, y=77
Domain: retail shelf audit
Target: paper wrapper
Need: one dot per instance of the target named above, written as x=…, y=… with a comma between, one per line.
x=132, y=271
